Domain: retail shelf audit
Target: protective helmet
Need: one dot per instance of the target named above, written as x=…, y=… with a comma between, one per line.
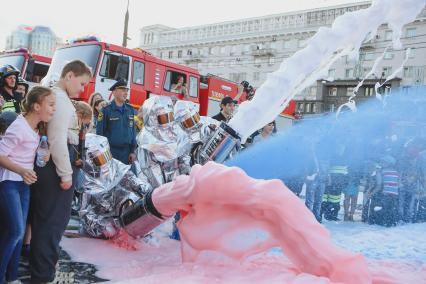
x=23, y=82
x=157, y=111
x=8, y=70
x=186, y=114
x=97, y=155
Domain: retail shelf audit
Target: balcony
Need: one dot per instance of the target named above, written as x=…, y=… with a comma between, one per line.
x=263, y=52
x=193, y=58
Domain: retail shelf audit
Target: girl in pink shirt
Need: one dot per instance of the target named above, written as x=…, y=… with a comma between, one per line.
x=17, y=153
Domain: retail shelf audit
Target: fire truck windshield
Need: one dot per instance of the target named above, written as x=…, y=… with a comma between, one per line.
x=86, y=53
x=15, y=60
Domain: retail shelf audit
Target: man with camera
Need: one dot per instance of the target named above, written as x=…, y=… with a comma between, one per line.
x=244, y=87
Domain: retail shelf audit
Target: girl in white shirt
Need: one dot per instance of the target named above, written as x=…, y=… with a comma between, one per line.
x=17, y=153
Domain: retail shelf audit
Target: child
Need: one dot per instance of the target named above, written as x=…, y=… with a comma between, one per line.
x=52, y=194
x=76, y=137
x=97, y=108
x=17, y=153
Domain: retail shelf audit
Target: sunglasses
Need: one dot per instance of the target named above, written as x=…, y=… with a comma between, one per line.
x=191, y=121
x=165, y=118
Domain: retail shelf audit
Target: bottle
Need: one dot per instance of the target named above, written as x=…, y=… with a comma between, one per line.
x=42, y=152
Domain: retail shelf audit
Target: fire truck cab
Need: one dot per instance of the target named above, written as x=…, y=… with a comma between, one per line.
x=145, y=74
x=33, y=67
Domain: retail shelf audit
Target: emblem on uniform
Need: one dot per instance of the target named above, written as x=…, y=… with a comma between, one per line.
x=100, y=116
x=131, y=120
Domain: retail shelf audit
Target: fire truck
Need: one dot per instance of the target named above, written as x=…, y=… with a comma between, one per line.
x=146, y=75
x=33, y=67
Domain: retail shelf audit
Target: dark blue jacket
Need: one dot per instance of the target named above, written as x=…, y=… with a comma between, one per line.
x=118, y=125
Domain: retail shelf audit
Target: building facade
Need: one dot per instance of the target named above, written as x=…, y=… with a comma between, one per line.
x=249, y=49
x=39, y=40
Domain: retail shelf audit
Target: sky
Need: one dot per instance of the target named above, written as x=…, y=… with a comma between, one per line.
x=70, y=19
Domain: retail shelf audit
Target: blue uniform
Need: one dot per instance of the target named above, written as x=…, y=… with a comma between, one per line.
x=117, y=124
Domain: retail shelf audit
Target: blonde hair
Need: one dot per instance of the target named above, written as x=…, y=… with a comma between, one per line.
x=83, y=109
x=36, y=95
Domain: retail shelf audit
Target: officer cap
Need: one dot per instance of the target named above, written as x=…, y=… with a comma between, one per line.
x=120, y=84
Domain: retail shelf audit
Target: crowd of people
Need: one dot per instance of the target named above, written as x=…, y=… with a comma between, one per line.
x=158, y=142
x=29, y=115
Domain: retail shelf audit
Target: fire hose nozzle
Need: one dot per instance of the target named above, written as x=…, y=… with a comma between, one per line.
x=141, y=217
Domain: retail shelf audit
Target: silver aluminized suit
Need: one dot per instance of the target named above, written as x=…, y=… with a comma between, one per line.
x=109, y=186
x=161, y=143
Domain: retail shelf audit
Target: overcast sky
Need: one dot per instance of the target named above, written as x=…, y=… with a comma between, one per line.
x=104, y=18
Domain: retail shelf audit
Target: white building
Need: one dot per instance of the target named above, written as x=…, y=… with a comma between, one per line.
x=248, y=49
x=39, y=39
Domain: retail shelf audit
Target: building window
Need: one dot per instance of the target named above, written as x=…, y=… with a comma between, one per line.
x=387, y=71
x=308, y=108
x=369, y=91
x=314, y=107
x=301, y=107
x=350, y=91
x=189, y=52
x=161, y=54
x=332, y=92
x=256, y=76
x=179, y=54
x=412, y=53
x=388, y=35
x=170, y=54
x=388, y=55
x=408, y=72
x=287, y=44
x=349, y=73
x=302, y=43
x=271, y=60
x=411, y=32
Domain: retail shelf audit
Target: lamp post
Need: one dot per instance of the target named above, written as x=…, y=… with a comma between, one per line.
x=126, y=24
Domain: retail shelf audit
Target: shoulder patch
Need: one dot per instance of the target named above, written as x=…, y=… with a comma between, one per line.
x=100, y=116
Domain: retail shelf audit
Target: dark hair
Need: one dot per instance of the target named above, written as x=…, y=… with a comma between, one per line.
x=37, y=94
x=92, y=97
x=95, y=111
x=77, y=67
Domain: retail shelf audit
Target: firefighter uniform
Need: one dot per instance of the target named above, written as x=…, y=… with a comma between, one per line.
x=333, y=193
x=11, y=103
x=118, y=125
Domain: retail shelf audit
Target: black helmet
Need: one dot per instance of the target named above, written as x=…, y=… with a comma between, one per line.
x=23, y=82
x=6, y=71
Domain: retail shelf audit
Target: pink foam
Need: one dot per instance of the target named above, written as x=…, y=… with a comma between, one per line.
x=230, y=213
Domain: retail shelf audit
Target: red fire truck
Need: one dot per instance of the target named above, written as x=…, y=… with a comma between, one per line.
x=33, y=67
x=145, y=74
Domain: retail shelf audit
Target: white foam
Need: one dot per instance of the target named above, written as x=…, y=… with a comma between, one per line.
x=309, y=64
